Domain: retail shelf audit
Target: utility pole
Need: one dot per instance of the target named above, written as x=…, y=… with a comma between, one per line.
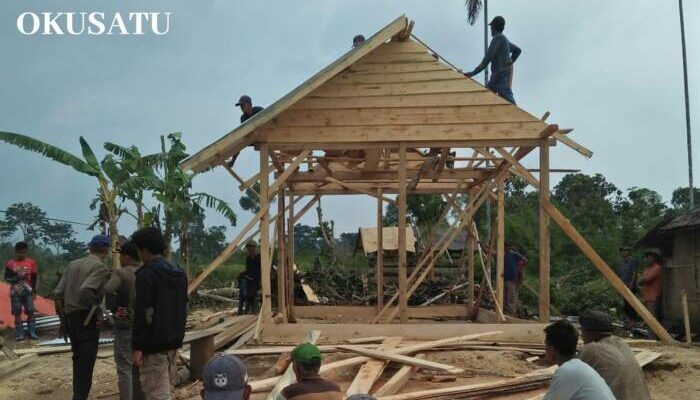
x=691, y=188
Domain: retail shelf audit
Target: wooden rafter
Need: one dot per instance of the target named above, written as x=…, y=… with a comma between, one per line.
x=357, y=188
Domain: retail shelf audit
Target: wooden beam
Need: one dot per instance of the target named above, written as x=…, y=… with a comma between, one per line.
x=370, y=371
x=379, y=279
x=607, y=272
x=281, y=223
x=398, y=380
x=403, y=299
x=290, y=170
x=321, y=143
x=320, y=175
x=358, y=189
x=500, y=244
x=487, y=277
x=306, y=208
x=291, y=263
x=248, y=184
x=686, y=319
x=403, y=359
x=265, y=261
x=238, y=178
x=544, y=243
x=560, y=136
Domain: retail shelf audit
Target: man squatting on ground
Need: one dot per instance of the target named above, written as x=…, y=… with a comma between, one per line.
x=160, y=313
x=574, y=379
x=611, y=357
x=77, y=297
x=21, y=274
x=120, y=295
x=501, y=54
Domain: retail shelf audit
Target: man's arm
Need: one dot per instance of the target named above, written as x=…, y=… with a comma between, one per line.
x=111, y=290
x=59, y=292
x=10, y=275
x=92, y=288
x=490, y=55
x=514, y=52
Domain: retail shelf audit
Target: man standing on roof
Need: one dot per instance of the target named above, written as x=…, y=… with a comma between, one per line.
x=21, y=274
x=246, y=105
x=501, y=54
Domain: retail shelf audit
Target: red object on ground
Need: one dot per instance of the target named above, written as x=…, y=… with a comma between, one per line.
x=42, y=306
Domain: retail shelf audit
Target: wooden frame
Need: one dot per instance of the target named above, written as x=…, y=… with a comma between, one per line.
x=373, y=112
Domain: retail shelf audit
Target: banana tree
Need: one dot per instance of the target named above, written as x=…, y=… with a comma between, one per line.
x=108, y=177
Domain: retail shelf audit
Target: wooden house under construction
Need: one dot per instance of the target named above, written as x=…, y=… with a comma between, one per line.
x=387, y=118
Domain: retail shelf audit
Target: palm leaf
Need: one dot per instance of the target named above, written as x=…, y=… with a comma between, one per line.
x=473, y=9
x=214, y=202
x=49, y=151
x=89, y=155
x=121, y=151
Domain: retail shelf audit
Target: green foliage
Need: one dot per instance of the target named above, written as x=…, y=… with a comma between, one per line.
x=27, y=218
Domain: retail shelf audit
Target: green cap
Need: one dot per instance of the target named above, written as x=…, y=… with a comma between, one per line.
x=306, y=353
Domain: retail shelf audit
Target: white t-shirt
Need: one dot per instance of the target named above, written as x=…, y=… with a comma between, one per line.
x=576, y=380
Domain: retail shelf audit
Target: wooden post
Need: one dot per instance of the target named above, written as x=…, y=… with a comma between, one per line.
x=379, y=279
x=289, y=279
x=686, y=319
x=281, y=255
x=544, y=247
x=403, y=299
x=201, y=351
x=266, y=310
x=500, y=244
x=471, y=242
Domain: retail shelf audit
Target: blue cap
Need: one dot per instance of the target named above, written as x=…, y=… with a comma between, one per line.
x=100, y=241
x=225, y=378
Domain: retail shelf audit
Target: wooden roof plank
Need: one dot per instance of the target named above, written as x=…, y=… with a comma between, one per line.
x=236, y=139
x=457, y=85
x=483, y=97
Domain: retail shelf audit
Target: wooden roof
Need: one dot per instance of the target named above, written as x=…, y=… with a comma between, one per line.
x=381, y=93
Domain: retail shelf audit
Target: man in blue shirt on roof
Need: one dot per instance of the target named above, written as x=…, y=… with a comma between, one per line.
x=501, y=54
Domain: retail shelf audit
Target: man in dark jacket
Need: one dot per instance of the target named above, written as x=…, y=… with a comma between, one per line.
x=160, y=313
x=249, y=280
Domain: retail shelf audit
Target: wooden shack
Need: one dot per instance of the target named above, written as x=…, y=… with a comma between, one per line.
x=389, y=117
x=679, y=243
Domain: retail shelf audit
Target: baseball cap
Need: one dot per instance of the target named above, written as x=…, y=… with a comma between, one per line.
x=306, y=353
x=100, y=241
x=361, y=397
x=498, y=22
x=225, y=378
x=595, y=321
x=244, y=99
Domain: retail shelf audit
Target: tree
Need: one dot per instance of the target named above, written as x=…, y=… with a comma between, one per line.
x=250, y=201
x=473, y=9
x=57, y=235
x=206, y=242
x=307, y=237
x=680, y=199
x=641, y=210
x=26, y=217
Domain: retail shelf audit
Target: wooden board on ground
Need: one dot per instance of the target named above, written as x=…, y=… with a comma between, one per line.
x=7, y=368
x=400, y=358
x=398, y=380
x=370, y=372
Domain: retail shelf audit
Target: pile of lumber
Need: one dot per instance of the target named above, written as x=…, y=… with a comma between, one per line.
x=373, y=355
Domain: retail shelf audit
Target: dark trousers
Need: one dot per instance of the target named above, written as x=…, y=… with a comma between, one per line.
x=83, y=343
x=247, y=294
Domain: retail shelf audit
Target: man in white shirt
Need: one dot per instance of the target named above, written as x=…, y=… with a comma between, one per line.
x=574, y=379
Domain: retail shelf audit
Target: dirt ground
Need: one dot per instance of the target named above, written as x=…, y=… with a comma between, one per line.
x=674, y=376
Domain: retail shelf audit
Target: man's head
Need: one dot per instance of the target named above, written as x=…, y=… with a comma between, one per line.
x=357, y=40
x=595, y=325
x=21, y=249
x=225, y=378
x=652, y=257
x=246, y=104
x=307, y=360
x=625, y=251
x=497, y=25
x=99, y=246
x=251, y=248
x=560, y=342
x=149, y=242
x=129, y=254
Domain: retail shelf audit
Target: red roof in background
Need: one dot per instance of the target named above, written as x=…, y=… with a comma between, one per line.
x=42, y=306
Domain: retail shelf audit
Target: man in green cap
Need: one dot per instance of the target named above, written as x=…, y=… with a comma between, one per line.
x=306, y=361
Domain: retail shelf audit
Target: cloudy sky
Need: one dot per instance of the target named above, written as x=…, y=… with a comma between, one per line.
x=610, y=69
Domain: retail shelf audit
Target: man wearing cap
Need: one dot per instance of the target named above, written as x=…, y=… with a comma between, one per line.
x=628, y=274
x=249, y=280
x=225, y=378
x=611, y=357
x=160, y=315
x=357, y=40
x=501, y=54
x=246, y=105
x=77, y=295
x=120, y=293
x=306, y=361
